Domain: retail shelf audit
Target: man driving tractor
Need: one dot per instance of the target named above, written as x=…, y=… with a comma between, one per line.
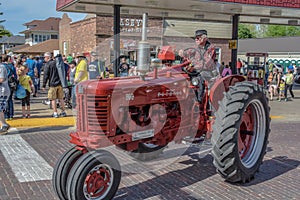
x=202, y=58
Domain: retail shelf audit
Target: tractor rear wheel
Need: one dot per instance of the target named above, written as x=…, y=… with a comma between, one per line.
x=95, y=176
x=61, y=171
x=240, y=132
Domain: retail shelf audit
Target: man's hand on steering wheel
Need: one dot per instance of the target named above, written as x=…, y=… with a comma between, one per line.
x=190, y=67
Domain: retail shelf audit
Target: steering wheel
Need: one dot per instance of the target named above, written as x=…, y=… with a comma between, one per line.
x=193, y=73
x=193, y=55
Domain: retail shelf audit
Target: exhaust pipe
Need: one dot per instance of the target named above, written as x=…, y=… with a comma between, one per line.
x=143, y=60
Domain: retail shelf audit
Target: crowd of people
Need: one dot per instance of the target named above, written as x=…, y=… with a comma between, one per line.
x=61, y=74
x=20, y=79
x=279, y=83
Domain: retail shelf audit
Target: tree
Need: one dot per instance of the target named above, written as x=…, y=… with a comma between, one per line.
x=246, y=31
x=280, y=31
x=4, y=32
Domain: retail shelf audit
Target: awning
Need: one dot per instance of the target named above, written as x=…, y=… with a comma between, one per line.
x=255, y=12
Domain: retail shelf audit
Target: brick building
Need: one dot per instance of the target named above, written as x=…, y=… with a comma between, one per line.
x=95, y=33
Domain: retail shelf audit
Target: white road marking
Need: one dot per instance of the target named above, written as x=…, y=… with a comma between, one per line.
x=25, y=162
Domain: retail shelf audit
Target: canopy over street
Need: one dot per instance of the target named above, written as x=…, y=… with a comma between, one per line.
x=257, y=12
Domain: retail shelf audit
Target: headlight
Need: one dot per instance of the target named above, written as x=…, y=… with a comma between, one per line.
x=195, y=81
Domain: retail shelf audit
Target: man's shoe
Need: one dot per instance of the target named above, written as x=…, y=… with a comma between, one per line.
x=63, y=114
x=55, y=115
x=286, y=99
x=4, y=129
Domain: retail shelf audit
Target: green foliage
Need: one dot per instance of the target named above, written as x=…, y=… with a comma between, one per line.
x=280, y=31
x=246, y=31
x=4, y=32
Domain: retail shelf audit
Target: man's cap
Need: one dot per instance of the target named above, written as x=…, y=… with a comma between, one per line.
x=48, y=54
x=80, y=55
x=93, y=53
x=72, y=62
x=200, y=32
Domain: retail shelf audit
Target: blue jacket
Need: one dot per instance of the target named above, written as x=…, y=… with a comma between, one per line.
x=11, y=70
x=31, y=64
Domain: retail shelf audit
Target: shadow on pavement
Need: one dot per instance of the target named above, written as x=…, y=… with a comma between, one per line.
x=173, y=182
x=273, y=168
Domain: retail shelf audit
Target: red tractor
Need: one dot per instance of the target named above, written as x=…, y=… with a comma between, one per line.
x=143, y=115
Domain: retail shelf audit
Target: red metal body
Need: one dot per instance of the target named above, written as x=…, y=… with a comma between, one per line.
x=119, y=111
x=166, y=53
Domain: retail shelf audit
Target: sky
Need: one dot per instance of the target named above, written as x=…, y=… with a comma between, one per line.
x=18, y=12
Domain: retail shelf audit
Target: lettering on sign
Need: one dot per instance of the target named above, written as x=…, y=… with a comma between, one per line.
x=130, y=25
x=131, y=22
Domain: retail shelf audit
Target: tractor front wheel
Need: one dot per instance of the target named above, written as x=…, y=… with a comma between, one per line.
x=95, y=176
x=240, y=132
x=61, y=171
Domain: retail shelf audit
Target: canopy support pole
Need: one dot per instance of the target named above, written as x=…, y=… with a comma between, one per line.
x=116, y=39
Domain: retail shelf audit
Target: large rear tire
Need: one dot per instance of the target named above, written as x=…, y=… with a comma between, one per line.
x=95, y=176
x=61, y=171
x=240, y=132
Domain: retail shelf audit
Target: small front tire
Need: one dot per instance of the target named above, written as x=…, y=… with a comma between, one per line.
x=95, y=176
x=61, y=171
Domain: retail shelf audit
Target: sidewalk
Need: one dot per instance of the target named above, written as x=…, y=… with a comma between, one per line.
x=40, y=115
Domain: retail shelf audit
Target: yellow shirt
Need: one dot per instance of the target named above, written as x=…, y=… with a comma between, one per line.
x=281, y=86
x=289, y=78
x=81, y=67
x=25, y=82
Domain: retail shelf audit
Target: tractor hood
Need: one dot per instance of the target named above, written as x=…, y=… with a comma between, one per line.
x=137, y=91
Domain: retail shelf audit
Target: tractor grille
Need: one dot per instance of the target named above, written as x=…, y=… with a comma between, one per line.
x=97, y=114
x=94, y=109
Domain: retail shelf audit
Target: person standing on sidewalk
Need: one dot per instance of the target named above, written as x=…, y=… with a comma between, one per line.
x=11, y=72
x=289, y=78
x=55, y=92
x=26, y=82
x=239, y=66
x=81, y=74
x=4, y=94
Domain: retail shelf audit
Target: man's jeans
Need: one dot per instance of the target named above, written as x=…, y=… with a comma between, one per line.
x=9, y=112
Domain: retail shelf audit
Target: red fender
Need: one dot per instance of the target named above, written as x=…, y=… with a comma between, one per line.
x=221, y=86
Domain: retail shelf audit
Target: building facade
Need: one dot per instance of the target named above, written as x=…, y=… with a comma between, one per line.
x=7, y=43
x=95, y=33
x=38, y=31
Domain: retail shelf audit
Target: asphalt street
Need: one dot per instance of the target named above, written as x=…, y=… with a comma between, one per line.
x=30, y=150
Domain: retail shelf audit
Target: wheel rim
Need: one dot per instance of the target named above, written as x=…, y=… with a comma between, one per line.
x=252, y=133
x=98, y=182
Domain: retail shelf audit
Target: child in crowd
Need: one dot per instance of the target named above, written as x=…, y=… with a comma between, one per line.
x=281, y=89
x=26, y=82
